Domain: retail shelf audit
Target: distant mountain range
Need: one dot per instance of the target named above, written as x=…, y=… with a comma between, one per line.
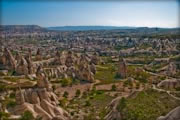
x=22, y=28
x=36, y=28
x=82, y=28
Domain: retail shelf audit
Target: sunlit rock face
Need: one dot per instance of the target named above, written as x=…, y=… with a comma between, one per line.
x=69, y=59
x=85, y=73
x=40, y=101
x=8, y=60
x=72, y=65
x=38, y=55
x=22, y=67
x=31, y=67
x=25, y=65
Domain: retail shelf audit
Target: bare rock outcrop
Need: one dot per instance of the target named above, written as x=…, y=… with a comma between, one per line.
x=169, y=83
x=31, y=67
x=22, y=67
x=8, y=60
x=171, y=69
x=25, y=65
x=93, y=68
x=38, y=55
x=172, y=115
x=69, y=59
x=68, y=64
x=40, y=101
x=95, y=60
x=122, y=68
x=85, y=73
x=57, y=59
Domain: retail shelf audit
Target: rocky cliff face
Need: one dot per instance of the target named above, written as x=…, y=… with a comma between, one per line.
x=40, y=101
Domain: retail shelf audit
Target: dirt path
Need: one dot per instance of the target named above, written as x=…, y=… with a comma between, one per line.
x=168, y=92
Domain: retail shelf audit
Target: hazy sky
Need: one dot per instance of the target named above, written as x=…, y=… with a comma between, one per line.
x=150, y=13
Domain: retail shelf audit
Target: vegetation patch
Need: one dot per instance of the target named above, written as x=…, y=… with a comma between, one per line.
x=106, y=73
x=148, y=105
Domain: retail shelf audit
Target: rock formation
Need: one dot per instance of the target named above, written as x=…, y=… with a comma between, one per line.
x=69, y=64
x=8, y=60
x=171, y=69
x=122, y=68
x=169, y=84
x=172, y=115
x=85, y=73
x=40, y=101
x=38, y=55
x=25, y=65
x=93, y=68
x=95, y=59
x=57, y=60
x=69, y=59
x=22, y=67
x=31, y=69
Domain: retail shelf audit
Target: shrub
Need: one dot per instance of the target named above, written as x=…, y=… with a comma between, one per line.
x=27, y=116
x=12, y=95
x=178, y=89
x=99, y=92
x=87, y=103
x=63, y=102
x=113, y=87
x=4, y=116
x=11, y=104
x=137, y=86
x=66, y=82
x=84, y=94
x=65, y=94
x=2, y=87
x=117, y=76
x=78, y=92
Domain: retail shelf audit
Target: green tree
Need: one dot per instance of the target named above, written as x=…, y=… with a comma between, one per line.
x=66, y=82
x=4, y=116
x=63, y=102
x=84, y=94
x=65, y=94
x=78, y=93
x=113, y=88
x=137, y=85
x=27, y=116
x=87, y=103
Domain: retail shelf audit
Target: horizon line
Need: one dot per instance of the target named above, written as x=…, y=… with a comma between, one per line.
x=86, y=26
